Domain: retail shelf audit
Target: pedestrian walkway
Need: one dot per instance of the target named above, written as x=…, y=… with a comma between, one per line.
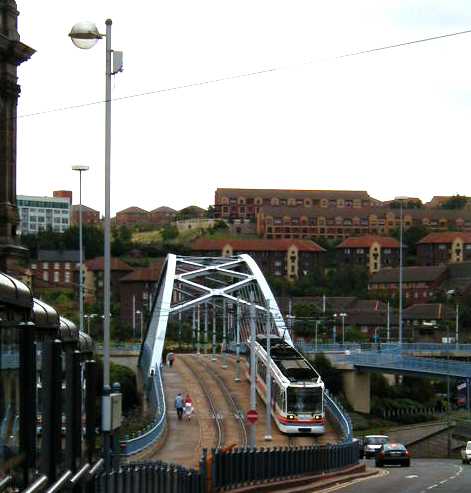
x=183, y=437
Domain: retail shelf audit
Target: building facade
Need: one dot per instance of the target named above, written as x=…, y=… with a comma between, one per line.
x=136, y=289
x=372, y=251
x=89, y=216
x=340, y=223
x=239, y=203
x=43, y=213
x=419, y=284
x=55, y=269
x=448, y=247
x=288, y=258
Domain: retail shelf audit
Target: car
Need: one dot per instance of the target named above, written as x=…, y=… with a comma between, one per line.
x=393, y=453
x=466, y=454
x=372, y=444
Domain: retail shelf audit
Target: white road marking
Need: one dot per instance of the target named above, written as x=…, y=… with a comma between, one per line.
x=433, y=486
x=349, y=483
x=444, y=481
x=412, y=476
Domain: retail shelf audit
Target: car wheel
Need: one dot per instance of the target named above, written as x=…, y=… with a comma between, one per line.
x=406, y=464
x=379, y=464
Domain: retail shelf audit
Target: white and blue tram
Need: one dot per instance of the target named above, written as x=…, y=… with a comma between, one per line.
x=297, y=392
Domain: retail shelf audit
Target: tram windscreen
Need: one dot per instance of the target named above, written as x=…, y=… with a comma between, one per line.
x=304, y=400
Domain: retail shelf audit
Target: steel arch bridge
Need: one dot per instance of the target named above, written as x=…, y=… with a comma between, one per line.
x=222, y=283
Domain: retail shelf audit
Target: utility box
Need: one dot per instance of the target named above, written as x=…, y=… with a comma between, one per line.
x=112, y=411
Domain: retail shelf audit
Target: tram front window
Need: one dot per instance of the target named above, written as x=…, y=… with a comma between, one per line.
x=304, y=400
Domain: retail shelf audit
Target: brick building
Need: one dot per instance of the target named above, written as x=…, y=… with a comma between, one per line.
x=94, y=276
x=162, y=216
x=239, y=203
x=55, y=269
x=288, y=258
x=131, y=216
x=339, y=223
x=372, y=251
x=89, y=215
x=443, y=248
x=136, y=290
x=420, y=284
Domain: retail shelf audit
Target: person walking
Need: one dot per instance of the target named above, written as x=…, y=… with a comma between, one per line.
x=179, y=405
x=188, y=407
x=170, y=359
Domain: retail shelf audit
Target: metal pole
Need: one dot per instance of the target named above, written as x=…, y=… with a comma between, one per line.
x=134, y=315
x=268, y=436
x=224, y=334
x=448, y=417
x=193, y=329
x=457, y=325
x=198, y=332
x=343, y=329
x=323, y=303
x=253, y=375
x=142, y=325
x=387, y=324
x=205, y=328
x=334, y=330
x=81, y=252
x=290, y=327
x=213, y=349
x=179, y=329
x=400, y=278
x=315, y=338
x=107, y=252
x=237, y=375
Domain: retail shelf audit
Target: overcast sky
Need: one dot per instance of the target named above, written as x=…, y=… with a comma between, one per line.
x=395, y=122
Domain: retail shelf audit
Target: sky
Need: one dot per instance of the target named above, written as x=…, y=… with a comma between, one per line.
x=392, y=122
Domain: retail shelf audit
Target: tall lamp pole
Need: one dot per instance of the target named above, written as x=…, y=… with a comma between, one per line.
x=85, y=35
x=400, y=199
x=80, y=168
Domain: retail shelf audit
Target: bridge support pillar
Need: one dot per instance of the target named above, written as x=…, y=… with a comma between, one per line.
x=356, y=386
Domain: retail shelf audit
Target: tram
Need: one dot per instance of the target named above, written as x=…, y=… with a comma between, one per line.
x=297, y=389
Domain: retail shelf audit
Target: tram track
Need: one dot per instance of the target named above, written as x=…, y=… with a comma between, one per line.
x=233, y=404
x=218, y=419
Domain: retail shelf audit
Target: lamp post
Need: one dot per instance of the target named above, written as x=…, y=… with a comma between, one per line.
x=85, y=35
x=342, y=316
x=80, y=168
x=400, y=199
x=88, y=318
x=141, y=321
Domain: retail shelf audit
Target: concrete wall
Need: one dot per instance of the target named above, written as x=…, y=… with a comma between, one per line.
x=356, y=386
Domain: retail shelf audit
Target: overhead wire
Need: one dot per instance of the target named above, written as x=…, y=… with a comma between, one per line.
x=246, y=74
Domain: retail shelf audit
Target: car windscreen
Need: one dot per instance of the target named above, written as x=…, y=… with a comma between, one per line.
x=304, y=400
x=376, y=440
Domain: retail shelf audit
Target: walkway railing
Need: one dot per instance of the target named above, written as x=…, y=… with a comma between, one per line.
x=340, y=416
x=391, y=361
x=156, y=428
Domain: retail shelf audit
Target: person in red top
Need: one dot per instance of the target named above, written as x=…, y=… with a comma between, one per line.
x=188, y=406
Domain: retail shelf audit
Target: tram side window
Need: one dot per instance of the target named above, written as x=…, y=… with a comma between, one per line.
x=279, y=397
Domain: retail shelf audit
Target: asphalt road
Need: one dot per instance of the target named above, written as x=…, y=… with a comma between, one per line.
x=423, y=476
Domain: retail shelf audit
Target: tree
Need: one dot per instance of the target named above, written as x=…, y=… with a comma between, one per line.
x=411, y=236
x=330, y=375
x=455, y=202
x=169, y=232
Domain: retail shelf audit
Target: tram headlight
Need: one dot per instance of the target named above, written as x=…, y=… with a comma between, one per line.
x=317, y=416
x=291, y=416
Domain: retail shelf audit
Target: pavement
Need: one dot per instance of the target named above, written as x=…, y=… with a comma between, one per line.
x=424, y=476
x=182, y=441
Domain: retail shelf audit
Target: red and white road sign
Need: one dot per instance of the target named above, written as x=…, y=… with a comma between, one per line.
x=252, y=416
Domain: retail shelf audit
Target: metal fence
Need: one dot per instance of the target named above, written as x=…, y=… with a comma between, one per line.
x=241, y=467
x=144, y=438
x=150, y=477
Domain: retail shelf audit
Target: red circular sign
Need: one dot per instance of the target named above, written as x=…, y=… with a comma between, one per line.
x=252, y=416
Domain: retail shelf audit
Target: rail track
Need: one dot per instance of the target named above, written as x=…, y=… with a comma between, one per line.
x=231, y=401
x=218, y=419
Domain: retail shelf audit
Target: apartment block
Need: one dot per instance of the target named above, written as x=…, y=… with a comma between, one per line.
x=89, y=216
x=53, y=269
x=372, y=251
x=289, y=258
x=444, y=248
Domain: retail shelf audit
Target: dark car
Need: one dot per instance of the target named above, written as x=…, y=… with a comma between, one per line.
x=393, y=453
x=372, y=445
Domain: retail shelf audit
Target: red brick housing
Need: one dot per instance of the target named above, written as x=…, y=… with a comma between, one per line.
x=444, y=247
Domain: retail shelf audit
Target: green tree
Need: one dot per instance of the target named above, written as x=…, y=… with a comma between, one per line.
x=455, y=202
x=330, y=375
x=169, y=232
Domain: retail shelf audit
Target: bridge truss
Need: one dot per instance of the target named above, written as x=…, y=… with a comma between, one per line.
x=232, y=290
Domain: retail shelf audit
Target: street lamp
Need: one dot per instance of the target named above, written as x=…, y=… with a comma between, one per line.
x=141, y=319
x=80, y=168
x=85, y=35
x=400, y=199
x=88, y=319
x=342, y=316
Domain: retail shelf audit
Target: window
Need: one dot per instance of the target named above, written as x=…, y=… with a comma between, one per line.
x=45, y=265
x=56, y=265
x=67, y=266
x=67, y=277
x=45, y=275
x=33, y=266
x=56, y=276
